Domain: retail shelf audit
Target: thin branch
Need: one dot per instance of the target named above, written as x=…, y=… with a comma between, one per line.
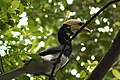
x=107, y=61
x=81, y=67
x=94, y=16
x=1, y=63
x=57, y=61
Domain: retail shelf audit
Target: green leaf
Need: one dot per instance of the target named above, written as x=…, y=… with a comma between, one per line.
x=4, y=7
x=15, y=4
x=15, y=17
x=7, y=1
x=2, y=25
x=82, y=74
x=117, y=23
x=98, y=1
x=116, y=73
x=21, y=8
x=24, y=77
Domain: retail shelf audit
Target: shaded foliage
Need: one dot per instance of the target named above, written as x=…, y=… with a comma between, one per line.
x=29, y=26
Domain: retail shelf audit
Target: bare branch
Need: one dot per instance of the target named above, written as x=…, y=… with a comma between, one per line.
x=93, y=17
x=67, y=42
x=1, y=63
x=107, y=61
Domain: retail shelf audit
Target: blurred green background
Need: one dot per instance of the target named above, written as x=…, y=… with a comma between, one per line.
x=29, y=26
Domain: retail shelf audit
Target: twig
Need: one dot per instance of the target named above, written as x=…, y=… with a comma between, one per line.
x=94, y=16
x=1, y=63
x=108, y=60
x=81, y=67
x=57, y=61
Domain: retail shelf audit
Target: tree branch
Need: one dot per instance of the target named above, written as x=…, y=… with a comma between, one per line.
x=93, y=17
x=107, y=61
x=12, y=73
x=1, y=63
x=67, y=42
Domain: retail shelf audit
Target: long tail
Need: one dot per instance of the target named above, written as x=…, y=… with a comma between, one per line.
x=12, y=74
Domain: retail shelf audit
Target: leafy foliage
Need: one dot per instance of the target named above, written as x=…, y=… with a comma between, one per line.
x=29, y=26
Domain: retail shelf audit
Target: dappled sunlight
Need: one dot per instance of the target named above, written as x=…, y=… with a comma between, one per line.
x=83, y=49
x=40, y=29
x=1, y=42
x=105, y=29
x=23, y=21
x=93, y=57
x=41, y=44
x=78, y=58
x=105, y=20
x=78, y=75
x=69, y=1
x=73, y=71
x=114, y=5
x=95, y=40
x=2, y=50
x=61, y=6
x=94, y=10
x=30, y=26
x=97, y=21
x=38, y=19
x=82, y=63
x=15, y=34
x=49, y=1
x=27, y=41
